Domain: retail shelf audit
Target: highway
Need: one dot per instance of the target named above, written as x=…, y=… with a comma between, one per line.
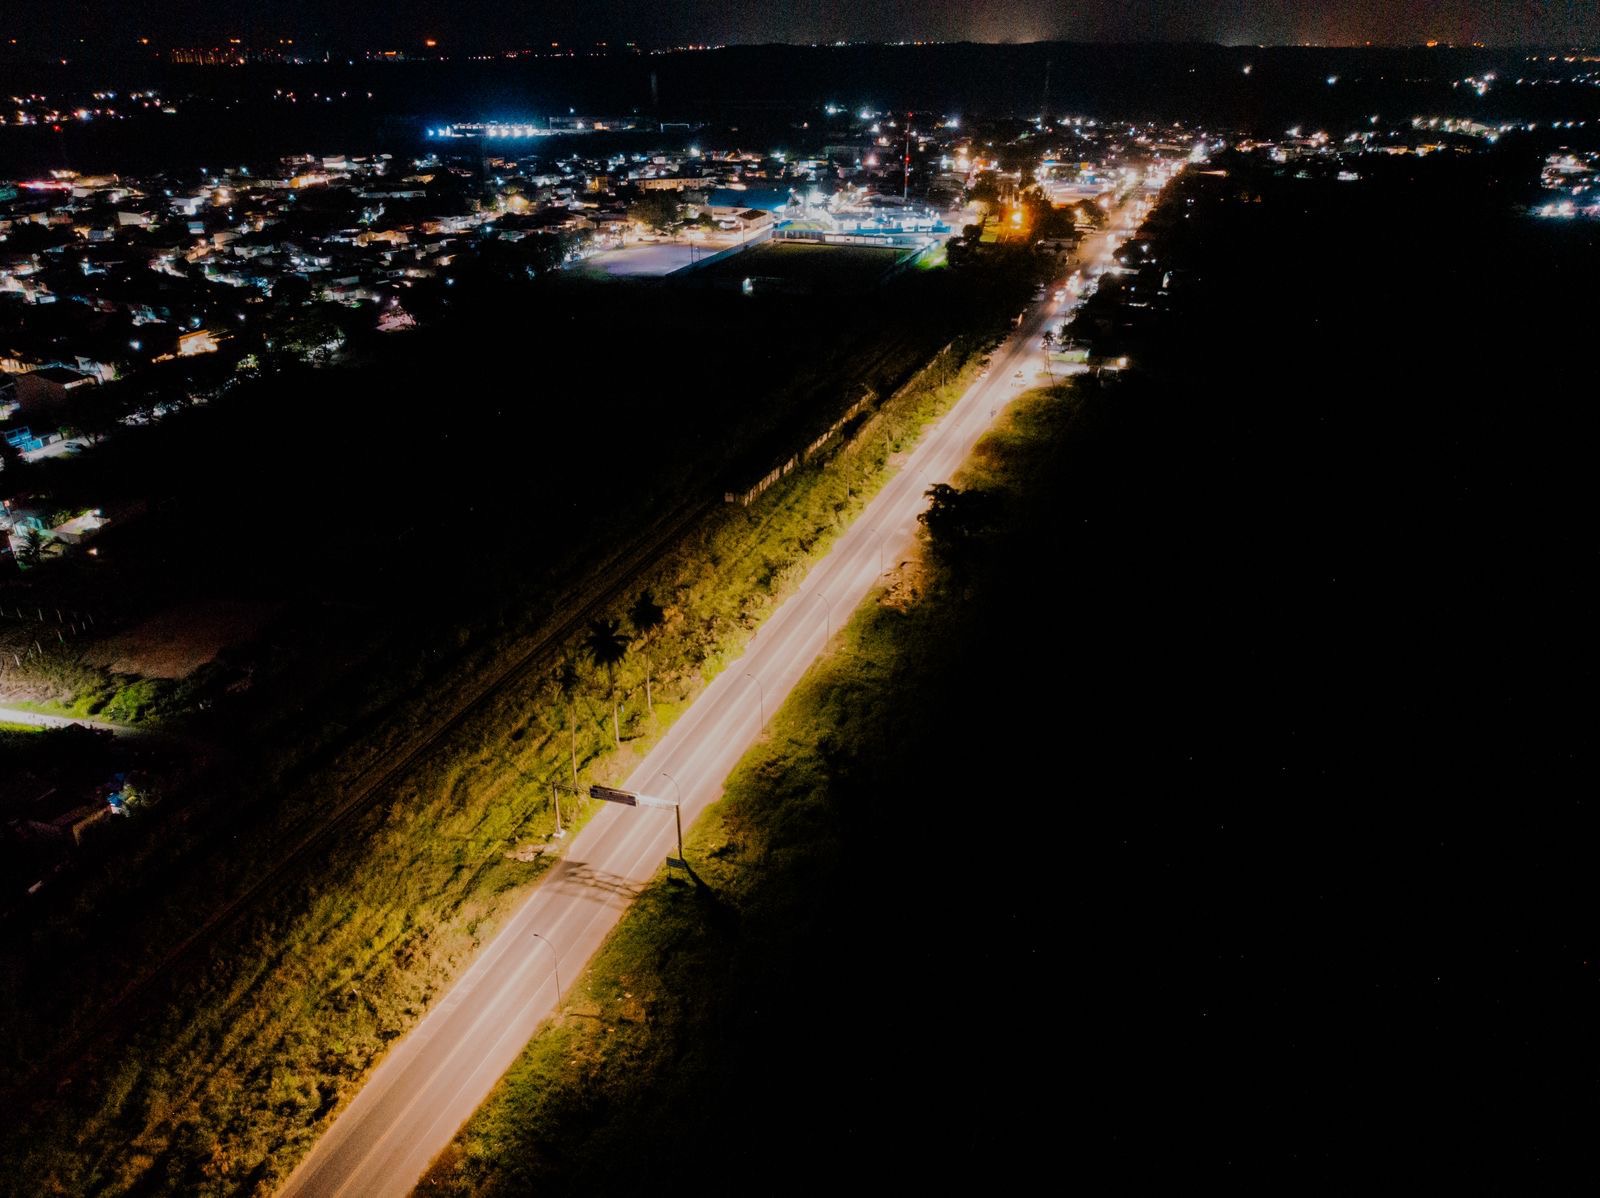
x=433, y=1079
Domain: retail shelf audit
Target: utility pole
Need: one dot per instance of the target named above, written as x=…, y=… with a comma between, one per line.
x=905, y=181
x=761, y=695
x=555, y=963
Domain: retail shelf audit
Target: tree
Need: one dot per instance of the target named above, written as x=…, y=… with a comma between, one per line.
x=546, y=252
x=92, y=416
x=1048, y=340
x=13, y=468
x=647, y=617
x=985, y=190
x=656, y=209
x=34, y=542
x=567, y=682
x=1042, y=219
x=1092, y=214
x=291, y=291
x=312, y=334
x=955, y=519
x=607, y=646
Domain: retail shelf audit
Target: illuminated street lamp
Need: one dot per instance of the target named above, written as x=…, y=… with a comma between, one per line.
x=761, y=692
x=827, y=628
x=879, y=535
x=555, y=964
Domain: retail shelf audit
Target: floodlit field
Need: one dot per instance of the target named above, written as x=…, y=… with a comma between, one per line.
x=645, y=260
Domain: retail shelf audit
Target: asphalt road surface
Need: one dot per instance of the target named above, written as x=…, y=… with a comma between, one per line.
x=434, y=1078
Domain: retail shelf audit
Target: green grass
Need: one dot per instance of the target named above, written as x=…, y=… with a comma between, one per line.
x=61, y=683
x=644, y=1038
x=278, y=1028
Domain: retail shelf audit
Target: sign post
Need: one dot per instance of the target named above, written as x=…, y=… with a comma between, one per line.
x=629, y=799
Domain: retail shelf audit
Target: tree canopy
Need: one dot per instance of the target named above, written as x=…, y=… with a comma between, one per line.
x=646, y=614
x=657, y=210
x=985, y=189
x=955, y=518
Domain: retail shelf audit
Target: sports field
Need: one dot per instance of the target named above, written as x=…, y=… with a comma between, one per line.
x=806, y=266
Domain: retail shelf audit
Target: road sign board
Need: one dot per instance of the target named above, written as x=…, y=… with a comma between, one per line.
x=612, y=795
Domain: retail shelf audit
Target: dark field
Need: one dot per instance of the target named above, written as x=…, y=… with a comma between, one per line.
x=800, y=267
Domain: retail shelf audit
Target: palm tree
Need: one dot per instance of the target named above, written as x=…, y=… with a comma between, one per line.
x=33, y=547
x=607, y=646
x=567, y=682
x=647, y=616
x=1049, y=343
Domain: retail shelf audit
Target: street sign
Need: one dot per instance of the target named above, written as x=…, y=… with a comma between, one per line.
x=612, y=795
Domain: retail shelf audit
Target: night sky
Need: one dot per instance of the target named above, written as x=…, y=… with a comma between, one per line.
x=498, y=24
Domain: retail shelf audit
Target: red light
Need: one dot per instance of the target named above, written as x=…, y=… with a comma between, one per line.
x=57, y=128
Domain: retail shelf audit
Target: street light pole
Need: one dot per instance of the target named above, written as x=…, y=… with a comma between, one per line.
x=555, y=964
x=677, y=815
x=761, y=692
x=827, y=613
